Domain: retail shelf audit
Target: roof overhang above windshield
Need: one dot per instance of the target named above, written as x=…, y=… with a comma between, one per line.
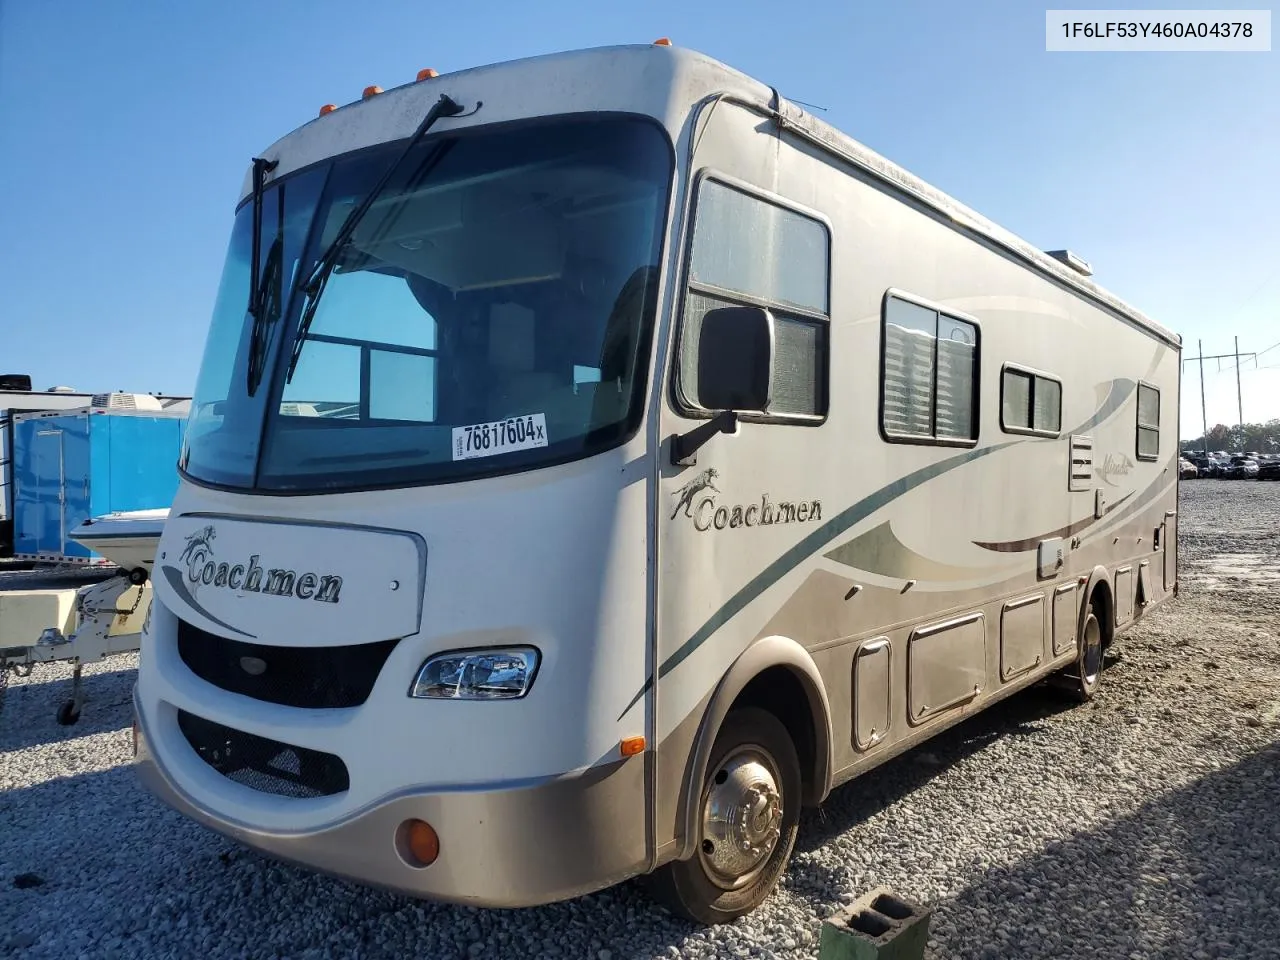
x=657, y=81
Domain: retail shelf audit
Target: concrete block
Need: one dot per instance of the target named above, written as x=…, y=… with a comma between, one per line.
x=879, y=925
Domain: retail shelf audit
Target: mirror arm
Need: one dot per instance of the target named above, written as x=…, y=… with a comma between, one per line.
x=684, y=447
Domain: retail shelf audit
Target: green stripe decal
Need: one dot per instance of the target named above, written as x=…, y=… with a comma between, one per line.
x=806, y=548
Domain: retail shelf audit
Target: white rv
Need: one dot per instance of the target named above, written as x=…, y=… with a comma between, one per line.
x=600, y=459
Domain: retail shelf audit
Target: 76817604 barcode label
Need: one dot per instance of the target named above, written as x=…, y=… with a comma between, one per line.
x=500, y=436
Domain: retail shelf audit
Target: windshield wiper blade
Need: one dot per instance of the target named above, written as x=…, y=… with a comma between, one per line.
x=261, y=167
x=314, y=286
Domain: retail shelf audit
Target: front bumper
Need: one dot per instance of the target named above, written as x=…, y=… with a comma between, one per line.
x=511, y=845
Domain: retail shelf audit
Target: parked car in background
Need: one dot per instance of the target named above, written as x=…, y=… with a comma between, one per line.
x=1240, y=468
x=1206, y=466
x=1269, y=469
x=1186, y=469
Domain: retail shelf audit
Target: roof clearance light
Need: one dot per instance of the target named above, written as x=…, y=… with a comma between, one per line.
x=371, y=92
x=662, y=42
x=328, y=108
x=428, y=74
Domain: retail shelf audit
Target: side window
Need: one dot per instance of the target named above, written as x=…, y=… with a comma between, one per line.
x=1030, y=403
x=1148, y=422
x=929, y=388
x=750, y=251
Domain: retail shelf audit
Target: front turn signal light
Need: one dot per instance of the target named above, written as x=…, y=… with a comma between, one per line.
x=418, y=843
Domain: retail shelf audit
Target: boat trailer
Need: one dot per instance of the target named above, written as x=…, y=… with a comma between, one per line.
x=82, y=624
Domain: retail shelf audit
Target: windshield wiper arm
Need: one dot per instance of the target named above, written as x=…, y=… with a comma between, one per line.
x=446, y=106
x=261, y=167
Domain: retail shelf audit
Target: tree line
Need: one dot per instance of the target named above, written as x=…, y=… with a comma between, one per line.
x=1262, y=437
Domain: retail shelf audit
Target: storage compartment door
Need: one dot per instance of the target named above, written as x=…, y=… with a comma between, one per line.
x=1124, y=595
x=1169, y=540
x=872, y=696
x=946, y=665
x=78, y=447
x=1021, y=636
x=1066, y=610
x=48, y=493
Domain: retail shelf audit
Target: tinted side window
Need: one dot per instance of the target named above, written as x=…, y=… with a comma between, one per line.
x=1030, y=403
x=1148, y=422
x=747, y=250
x=929, y=391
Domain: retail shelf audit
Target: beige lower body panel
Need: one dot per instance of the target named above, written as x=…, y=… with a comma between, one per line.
x=506, y=847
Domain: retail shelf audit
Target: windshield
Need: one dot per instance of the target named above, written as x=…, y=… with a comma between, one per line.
x=491, y=311
x=221, y=443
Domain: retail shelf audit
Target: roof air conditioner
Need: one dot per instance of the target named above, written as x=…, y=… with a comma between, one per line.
x=124, y=401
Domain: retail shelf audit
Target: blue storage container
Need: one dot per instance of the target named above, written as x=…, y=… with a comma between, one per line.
x=69, y=466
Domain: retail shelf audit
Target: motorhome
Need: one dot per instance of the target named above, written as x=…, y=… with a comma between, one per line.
x=596, y=458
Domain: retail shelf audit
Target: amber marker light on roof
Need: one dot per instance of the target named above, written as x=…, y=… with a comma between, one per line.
x=662, y=42
x=428, y=74
x=371, y=91
x=328, y=108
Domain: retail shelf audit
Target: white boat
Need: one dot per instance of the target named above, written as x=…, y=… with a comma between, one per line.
x=126, y=538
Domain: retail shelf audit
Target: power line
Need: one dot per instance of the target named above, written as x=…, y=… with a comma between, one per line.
x=1243, y=303
x=1236, y=355
x=1269, y=349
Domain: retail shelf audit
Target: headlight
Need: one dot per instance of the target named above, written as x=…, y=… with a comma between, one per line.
x=504, y=674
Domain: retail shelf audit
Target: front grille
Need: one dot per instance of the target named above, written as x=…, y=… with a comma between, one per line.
x=263, y=764
x=292, y=676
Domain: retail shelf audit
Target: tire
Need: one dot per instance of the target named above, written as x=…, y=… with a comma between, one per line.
x=68, y=714
x=1081, y=679
x=752, y=762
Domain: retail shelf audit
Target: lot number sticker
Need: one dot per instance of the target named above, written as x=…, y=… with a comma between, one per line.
x=500, y=436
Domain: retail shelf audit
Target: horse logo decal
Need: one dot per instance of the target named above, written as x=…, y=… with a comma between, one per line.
x=703, y=481
x=201, y=539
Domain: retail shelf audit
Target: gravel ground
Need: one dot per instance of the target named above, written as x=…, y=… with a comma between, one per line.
x=1142, y=825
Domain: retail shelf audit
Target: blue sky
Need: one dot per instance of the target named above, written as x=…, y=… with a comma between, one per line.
x=125, y=131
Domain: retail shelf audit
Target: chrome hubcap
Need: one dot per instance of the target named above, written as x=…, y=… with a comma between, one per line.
x=741, y=818
x=1092, y=650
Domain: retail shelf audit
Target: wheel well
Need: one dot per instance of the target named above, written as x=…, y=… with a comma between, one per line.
x=1100, y=600
x=779, y=691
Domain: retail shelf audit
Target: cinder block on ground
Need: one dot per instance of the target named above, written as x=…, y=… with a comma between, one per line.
x=879, y=925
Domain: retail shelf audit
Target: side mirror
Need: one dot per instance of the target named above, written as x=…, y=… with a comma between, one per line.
x=735, y=373
x=735, y=359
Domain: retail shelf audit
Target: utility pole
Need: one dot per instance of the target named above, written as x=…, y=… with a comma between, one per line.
x=1204, y=417
x=1239, y=397
x=1239, y=400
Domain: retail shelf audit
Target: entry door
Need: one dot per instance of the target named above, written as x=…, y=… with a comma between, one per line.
x=1170, y=544
x=51, y=493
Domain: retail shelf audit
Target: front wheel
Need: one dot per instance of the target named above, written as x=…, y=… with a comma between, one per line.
x=749, y=808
